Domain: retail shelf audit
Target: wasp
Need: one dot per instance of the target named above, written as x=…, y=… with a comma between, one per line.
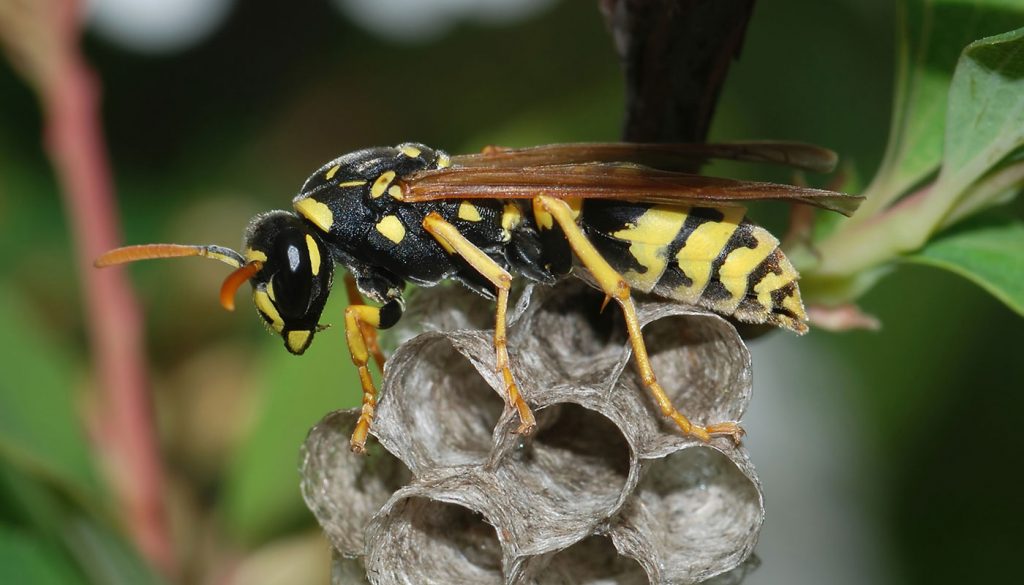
x=632, y=215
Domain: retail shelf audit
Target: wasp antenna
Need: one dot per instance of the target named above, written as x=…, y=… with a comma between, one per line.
x=234, y=281
x=150, y=251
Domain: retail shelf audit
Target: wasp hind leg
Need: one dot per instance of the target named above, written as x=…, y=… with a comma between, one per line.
x=358, y=320
x=615, y=287
x=449, y=237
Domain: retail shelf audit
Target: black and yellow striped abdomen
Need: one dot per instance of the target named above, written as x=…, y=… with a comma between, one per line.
x=704, y=256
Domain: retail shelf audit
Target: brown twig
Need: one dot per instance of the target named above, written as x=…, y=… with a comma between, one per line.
x=675, y=55
x=41, y=36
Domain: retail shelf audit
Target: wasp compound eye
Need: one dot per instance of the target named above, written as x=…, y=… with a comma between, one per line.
x=293, y=280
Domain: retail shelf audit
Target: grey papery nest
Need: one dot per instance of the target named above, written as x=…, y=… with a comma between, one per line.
x=606, y=491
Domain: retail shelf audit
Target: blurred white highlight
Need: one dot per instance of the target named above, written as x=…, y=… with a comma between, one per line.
x=413, y=21
x=156, y=26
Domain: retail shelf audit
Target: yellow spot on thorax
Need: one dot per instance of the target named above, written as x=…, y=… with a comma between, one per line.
x=443, y=161
x=649, y=239
x=410, y=151
x=511, y=216
x=353, y=183
x=391, y=228
x=469, y=212
x=381, y=184
x=333, y=171
x=316, y=212
x=267, y=308
x=543, y=218
x=700, y=250
x=396, y=192
x=297, y=340
x=314, y=254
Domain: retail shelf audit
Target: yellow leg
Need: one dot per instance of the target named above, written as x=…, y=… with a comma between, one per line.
x=369, y=333
x=358, y=317
x=449, y=236
x=615, y=286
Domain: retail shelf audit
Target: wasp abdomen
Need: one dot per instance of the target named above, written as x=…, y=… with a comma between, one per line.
x=704, y=256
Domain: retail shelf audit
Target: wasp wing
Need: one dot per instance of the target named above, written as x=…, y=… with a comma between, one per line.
x=610, y=181
x=668, y=157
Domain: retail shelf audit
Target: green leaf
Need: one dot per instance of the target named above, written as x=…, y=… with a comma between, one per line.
x=988, y=252
x=73, y=533
x=932, y=35
x=998, y=187
x=985, y=124
x=986, y=108
x=104, y=555
x=39, y=424
x=262, y=496
x=28, y=560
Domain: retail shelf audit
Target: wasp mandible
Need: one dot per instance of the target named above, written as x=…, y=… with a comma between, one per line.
x=629, y=214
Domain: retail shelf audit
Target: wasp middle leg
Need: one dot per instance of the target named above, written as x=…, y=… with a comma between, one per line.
x=616, y=287
x=369, y=333
x=449, y=236
x=358, y=320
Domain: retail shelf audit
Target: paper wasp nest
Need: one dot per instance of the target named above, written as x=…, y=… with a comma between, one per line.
x=605, y=492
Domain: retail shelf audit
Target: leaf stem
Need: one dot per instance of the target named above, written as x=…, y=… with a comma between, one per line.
x=126, y=432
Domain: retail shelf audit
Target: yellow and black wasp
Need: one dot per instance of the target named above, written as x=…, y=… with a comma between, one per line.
x=627, y=213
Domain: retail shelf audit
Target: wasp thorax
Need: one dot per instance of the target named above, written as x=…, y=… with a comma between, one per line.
x=291, y=288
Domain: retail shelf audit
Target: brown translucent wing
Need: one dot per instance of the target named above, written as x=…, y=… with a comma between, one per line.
x=668, y=157
x=610, y=181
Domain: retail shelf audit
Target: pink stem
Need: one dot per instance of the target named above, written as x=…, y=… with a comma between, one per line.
x=126, y=432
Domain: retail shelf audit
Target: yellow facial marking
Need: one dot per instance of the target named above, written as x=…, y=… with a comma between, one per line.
x=443, y=161
x=316, y=212
x=701, y=249
x=297, y=340
x=649, y=238
x=469, y=212
x=738, y=265
x=411, y=151
x=333, y=171
x=270, y=291
x=314, y=254
x=381, y=184
x=391, y=228
x=255, y=256
x=396, y=192
x=267, y=308
x=354, y=183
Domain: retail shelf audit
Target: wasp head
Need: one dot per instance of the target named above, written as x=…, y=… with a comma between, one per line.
x=290, y=270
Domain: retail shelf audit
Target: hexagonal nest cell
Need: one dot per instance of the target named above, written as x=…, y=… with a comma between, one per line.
x=604, y=492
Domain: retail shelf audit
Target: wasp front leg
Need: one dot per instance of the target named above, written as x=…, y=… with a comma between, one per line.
x=358, y=320
x=449, y=237
x=616, y=287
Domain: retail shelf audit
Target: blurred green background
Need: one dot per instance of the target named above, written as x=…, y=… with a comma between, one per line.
x=902, y=445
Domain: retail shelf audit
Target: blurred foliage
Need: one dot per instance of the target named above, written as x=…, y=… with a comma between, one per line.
x=203, y=139
x=941, y=165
